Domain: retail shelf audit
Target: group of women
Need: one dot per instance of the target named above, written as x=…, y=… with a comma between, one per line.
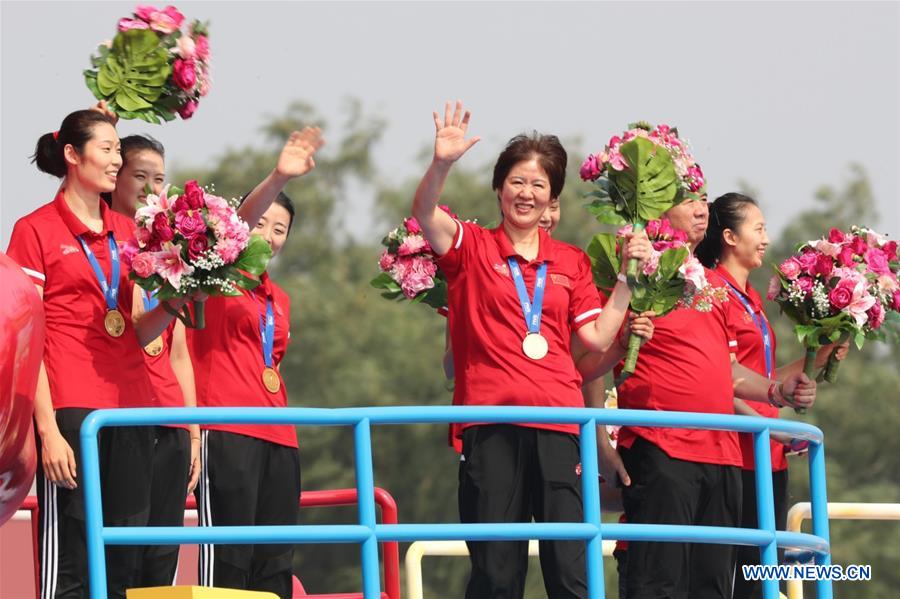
x=526, y=326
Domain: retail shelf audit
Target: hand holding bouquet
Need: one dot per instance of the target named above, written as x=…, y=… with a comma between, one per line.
x=408, y=267
x=671, y=276
x=839, y=287
x=192, y=241
x=639, y=176
x=152, y=69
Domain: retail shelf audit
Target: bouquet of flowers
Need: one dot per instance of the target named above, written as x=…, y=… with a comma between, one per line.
x=839, y=287
x=152, y=69
x=191, y=240
x=408, y=267
x=672, y=276
x=637, y=182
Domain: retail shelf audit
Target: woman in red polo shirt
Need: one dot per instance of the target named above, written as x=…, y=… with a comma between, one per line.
x=91, y=357
x=176, y=449
x=251, y=473
x=512, y=346
x=734, y=246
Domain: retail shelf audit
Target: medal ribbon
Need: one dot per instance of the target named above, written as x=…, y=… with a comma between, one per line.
x=763, y=327
x=267, y=333
x=530, y=309
x=150, y=300
x=110, y=289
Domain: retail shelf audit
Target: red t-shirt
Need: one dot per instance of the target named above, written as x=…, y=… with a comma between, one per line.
x=86, y=367
x=752, y=354
x=162, y=376
x=686, y=367
x=487, y=325
x=228, y=358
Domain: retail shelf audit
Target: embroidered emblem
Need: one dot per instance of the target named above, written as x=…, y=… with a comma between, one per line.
x=502, y=269
x=561, y=280
x=67, y=249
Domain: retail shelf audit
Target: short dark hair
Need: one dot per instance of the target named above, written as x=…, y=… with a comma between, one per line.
x=546, y=149
x=76, y=129
x=726, y=212
x=283, y=200
x=139, y=143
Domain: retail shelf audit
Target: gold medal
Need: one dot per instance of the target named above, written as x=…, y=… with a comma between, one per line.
x=270, y=380
x=535, y=346
x=155, y=347
x=114, y=323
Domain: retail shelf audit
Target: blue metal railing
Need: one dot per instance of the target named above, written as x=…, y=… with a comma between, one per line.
x=367, y=533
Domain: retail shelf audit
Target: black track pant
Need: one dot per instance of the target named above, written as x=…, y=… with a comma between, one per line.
x=666, y=490
x=513, y=474
x=247, y=481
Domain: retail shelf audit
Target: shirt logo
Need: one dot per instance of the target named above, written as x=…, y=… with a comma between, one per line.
x=502, y=269
x=67, y=249
x=561, y=280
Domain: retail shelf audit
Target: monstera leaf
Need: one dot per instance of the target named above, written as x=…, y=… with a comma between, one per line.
x=134, y=73
x=649, y=186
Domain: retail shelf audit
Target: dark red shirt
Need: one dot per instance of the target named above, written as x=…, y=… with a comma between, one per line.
x=487, y=325
x=752, y=354
x=686, y=367
x=228, y=358
x=86, y=367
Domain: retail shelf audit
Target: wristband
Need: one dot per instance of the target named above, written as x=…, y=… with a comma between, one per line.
x=772, y=394
x=621, y=278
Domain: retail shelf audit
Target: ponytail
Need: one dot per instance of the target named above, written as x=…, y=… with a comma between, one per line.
x=726, y=212
x=76, y=130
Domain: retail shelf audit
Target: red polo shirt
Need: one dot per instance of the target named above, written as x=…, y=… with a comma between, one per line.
x=686, y=367
x=487, y=325
x=86, y=367
x=162, y=375
x=751, y=353
x=228, y=358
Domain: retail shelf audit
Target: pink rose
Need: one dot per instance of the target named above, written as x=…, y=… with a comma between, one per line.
x=895, y=301
x=876, y=315
x=164, y=21
x=386, y=261
x=197, y=246
x=807, y=261
x=841, y=296
x=128, y=251
x=145, y=11
x=890, y=250
x=412, y=226
x=201, y=47
x=617, y=161
x=695, y=178
x=859, y=246
x=186, y=48
x=845, y=258
x=591, y=168
x=877, y=262
x=790, y=268
x=652, y=229
x=184, y=74
x=162, y=229
x=188, y=110
x=144, y=265
x=805, y=284
x=824, y=265
x=194, y=195
x=836, y=236
x=774, y=288
x=665, y=229
x=142, y=236
x=679, y=237
x=190, y=223
x=128, y=24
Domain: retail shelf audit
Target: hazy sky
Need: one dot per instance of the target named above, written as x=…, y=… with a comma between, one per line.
x=783, y=95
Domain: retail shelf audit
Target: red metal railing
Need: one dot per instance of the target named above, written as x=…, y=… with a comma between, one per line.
x=327, y=498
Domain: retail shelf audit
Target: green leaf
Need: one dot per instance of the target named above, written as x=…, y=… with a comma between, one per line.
x=385, y=281
x=606, y=213
x=807, y=332
x=242, y=280
x=255, y=257
x=649, y=185
x=670, y=261
x=605, y=263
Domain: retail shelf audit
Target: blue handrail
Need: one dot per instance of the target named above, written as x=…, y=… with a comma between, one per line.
x=367, y=533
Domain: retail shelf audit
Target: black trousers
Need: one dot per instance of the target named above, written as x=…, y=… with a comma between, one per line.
x=666, y=490
x=747, y=589
x=124, y=454
x=168, y=489
x=247, y=481
x=513, y=474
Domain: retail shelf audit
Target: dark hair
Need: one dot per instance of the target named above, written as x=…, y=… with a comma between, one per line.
x=726, y=212
x=139, y=143
x=77, y=130
x=548, y=151
x=282, y=200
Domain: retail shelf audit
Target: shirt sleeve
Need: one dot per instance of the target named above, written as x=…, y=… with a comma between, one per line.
x=25, y=248
x=464, y=245
x=586, y=302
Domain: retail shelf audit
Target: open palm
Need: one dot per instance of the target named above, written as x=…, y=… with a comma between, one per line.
x=450, y=138
x=296, y=157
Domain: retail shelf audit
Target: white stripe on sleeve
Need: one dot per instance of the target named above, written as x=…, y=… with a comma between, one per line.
x=588, y=314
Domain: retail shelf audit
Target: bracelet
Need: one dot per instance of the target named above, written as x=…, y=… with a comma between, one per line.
x=772, y=394
x=621, y=278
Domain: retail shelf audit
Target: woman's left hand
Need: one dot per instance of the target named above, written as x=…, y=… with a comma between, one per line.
x=641, y=325
x=103, y=109
x=296, y=157
x=196, y=466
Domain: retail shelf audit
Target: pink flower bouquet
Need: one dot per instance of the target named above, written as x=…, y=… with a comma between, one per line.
x=191, y=240
x=838, y=287
x=671, y=277
x=152, y=69
x=408, y=267
x=640, y=175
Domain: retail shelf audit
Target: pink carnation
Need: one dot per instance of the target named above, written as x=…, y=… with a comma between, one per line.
x=143, y=264
x=201, y=47
x=790, y=268
x=652, y=263
x=774, y=288
x=228, y=249
x=413, y=244
x=386, y=261
x=895, y=301
x=128, y=24
x=418, y=276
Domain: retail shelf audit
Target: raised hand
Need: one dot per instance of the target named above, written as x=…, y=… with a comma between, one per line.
x=296, y=157
x=637, y=246
x=450, y=141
